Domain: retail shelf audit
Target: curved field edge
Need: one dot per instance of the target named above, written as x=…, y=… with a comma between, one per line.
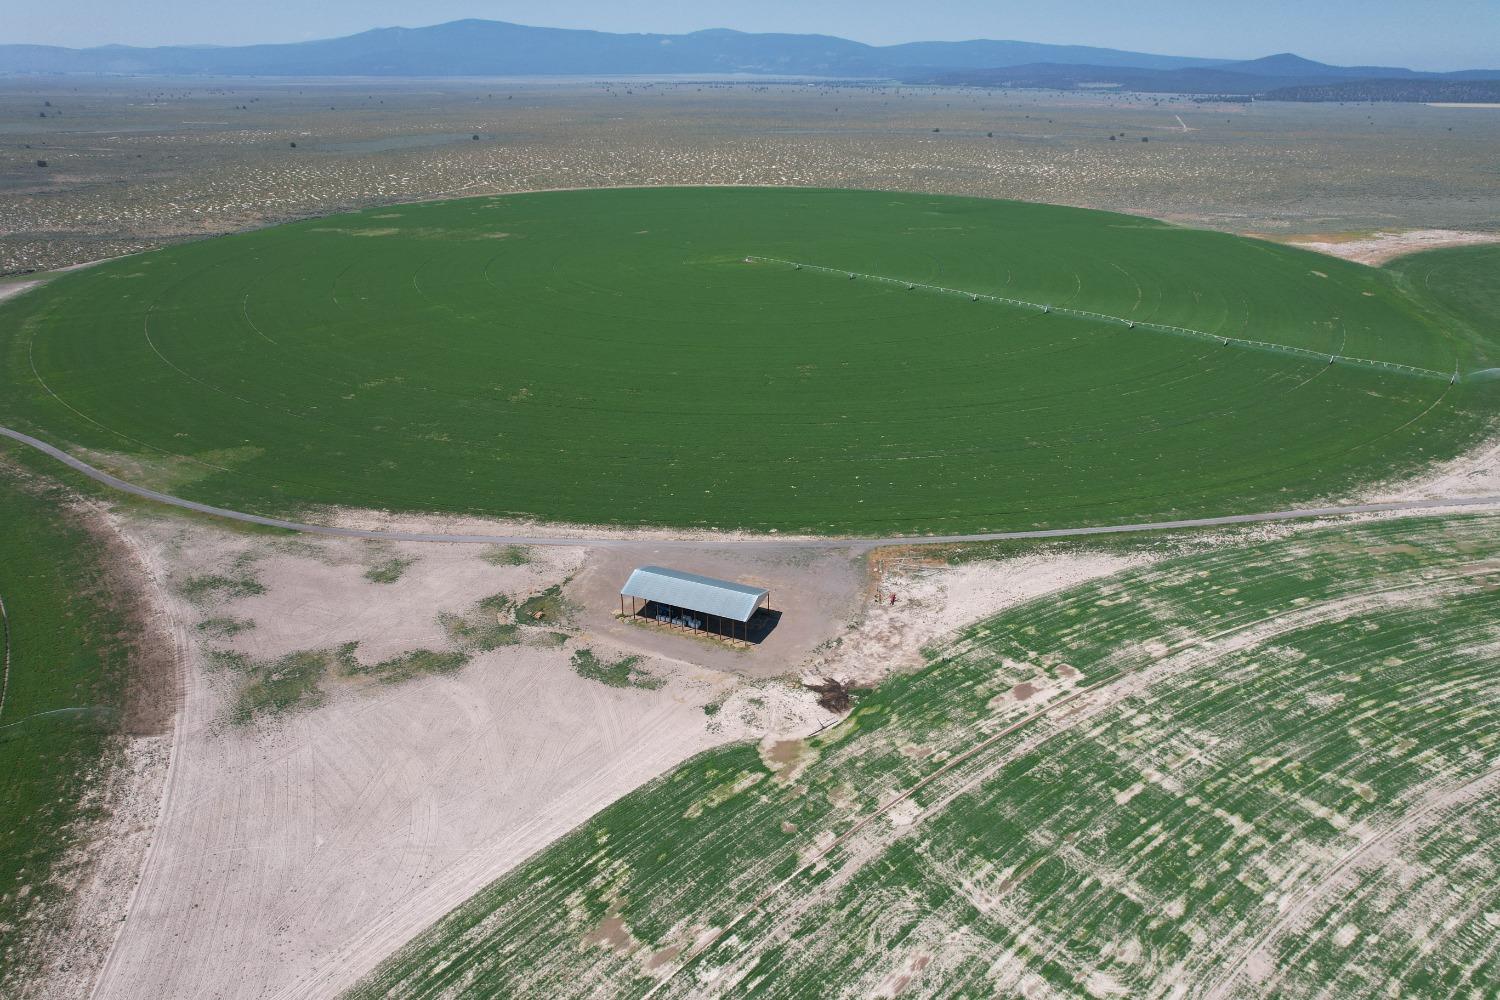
x=354, y=361
x=1264, y=770
x=68, y=704
x=1459, y=284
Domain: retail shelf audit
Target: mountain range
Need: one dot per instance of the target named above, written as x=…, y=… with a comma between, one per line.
x=498, y=48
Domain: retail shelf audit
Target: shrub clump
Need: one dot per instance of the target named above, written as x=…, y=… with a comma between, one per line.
x=217, y=587
x=389, y=571
x=621, y=673
x=483, y=628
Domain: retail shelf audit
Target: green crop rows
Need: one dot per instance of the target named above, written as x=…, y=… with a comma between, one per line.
x=631, y=357
x=1264, y=770
x=61, y=709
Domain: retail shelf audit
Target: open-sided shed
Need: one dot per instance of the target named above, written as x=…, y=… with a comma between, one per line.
x=687, y=600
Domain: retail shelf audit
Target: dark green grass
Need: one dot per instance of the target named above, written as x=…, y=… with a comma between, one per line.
x=613, y=358
x=69, y=663
x=1312, y=702
x=1462, y=285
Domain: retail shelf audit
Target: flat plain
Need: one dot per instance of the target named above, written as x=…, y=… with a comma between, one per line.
x=1249, y=763
x=136, y=163
x=657, y=357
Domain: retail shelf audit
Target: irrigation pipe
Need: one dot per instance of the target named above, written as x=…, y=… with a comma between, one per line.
x=1181, y=331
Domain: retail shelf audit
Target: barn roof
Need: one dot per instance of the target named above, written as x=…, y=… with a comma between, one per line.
x=694, y=592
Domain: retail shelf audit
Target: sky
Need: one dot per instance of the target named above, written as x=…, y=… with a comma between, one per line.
x=1422, y=34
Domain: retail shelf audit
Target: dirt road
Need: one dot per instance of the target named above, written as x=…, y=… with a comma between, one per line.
x=606, y=541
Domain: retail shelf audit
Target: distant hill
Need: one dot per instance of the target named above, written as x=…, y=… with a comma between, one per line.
x=498, y=48
x=1273, y=78
x=1443, y=91
x=1055, y=76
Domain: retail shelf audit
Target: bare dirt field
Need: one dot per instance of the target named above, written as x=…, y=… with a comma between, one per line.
x=299, y=847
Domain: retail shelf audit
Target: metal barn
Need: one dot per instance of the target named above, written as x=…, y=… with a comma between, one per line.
x=689, y=601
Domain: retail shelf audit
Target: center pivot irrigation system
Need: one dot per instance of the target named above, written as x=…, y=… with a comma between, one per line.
x=1180, y=331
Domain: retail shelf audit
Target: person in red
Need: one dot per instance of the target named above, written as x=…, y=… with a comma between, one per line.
x=893, y=600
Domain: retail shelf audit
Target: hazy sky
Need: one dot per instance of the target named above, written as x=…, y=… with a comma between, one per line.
x=1426, y=34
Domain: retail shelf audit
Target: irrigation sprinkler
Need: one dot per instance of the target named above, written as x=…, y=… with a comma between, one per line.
x=1224, y=341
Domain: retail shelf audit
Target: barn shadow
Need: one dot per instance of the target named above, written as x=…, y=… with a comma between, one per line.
x=754, y=632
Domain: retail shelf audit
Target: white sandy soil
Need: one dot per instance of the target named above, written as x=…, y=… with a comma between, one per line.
x=9, y=290
x=1381, y=247
x=1473, y=474
x=933, y=600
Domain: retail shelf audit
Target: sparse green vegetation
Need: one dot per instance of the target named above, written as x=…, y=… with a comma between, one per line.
x=220, y=628
x=1250, y=769
x=624, y=672
x=484, y=627
x=290, y=682
x=228, y=659
x=213, y=587
x=547, y=608
x=403, y=667
x=505, y=555
x=1009, y=418
x=295, y=682
x=388, y=570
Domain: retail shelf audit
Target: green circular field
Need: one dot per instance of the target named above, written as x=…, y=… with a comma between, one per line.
x=652, y=357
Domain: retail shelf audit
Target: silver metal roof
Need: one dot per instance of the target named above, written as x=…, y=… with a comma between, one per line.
x=694, y=592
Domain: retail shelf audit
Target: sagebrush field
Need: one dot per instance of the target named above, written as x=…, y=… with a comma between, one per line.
x=643, y=357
